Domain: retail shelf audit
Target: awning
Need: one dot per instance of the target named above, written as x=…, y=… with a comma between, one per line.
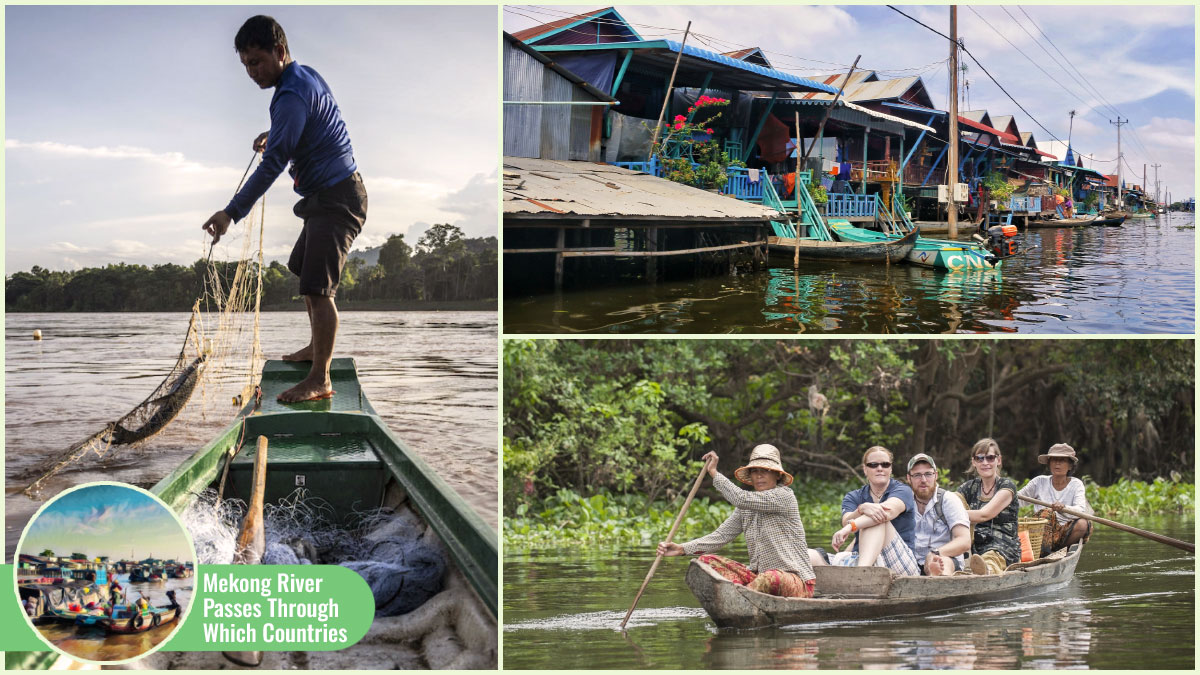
x=852, y=113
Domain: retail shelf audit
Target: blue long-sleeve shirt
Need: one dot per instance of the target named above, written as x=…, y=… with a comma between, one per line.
x=306, y=129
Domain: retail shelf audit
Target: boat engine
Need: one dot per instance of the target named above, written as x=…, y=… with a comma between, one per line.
x=1001, y=242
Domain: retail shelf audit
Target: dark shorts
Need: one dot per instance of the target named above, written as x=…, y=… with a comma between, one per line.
x=332, y=218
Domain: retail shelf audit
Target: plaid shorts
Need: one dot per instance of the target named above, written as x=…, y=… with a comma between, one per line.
x=896, y=556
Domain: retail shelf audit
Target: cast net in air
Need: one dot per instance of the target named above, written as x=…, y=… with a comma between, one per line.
x=219, y=358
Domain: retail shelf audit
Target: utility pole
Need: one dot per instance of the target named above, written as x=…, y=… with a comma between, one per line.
x=952, y=168
x=1156, y=183
x=1120, y=160
x=1069, y=130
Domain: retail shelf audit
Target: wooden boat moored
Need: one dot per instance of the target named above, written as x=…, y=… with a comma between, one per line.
x=152, y=618
x=892, y=250
x=845, y=593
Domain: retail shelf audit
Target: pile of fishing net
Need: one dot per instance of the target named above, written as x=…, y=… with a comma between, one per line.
x=426, y=616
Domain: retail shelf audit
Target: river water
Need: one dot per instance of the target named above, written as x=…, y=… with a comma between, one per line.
x=430, y=375
x=93, y=645
x=1131, y=605
x=1139, y=278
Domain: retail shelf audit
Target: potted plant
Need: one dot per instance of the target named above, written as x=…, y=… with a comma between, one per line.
x=819, y=195
x=692, y=161
x=999, y=189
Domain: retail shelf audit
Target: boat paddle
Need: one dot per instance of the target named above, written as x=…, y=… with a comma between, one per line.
x=251, y=541
x=670, y=535
x=1190, y=548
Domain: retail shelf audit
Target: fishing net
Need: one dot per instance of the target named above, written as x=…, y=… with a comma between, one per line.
x=220, y=353
x=426, y=614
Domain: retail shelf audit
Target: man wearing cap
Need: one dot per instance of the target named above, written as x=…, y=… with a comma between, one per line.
x=1061, y=489
x=769, y=517
x=943, y=529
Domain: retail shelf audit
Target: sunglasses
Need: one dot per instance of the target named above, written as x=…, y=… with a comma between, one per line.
x=876, y=465
x=991, y=459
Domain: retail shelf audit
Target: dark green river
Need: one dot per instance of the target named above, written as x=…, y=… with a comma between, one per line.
x=1131, y=605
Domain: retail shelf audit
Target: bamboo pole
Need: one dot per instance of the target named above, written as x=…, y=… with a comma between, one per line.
x=670, y=85
x=1162, y=539
x=670, y=536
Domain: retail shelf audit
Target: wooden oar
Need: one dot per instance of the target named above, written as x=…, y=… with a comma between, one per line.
x=1190, y=548
x=670, y=535
x=251, y=541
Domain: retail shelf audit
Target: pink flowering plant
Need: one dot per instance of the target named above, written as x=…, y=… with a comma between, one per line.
x=692, y=161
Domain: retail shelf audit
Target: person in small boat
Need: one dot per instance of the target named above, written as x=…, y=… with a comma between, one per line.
x=882, y=513
x=1061, y=489
x=992, y=507
x=307, y=130
x=769, y=517
x=943, y=530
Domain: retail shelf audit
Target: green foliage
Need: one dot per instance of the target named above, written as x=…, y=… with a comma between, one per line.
x=818, y=193
x=1137, y=498
x=447, y=266
x=996, y=184
x=567, y=519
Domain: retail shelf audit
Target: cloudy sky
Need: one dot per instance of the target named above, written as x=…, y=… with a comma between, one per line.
x=1099, y=61
x=107, y=520
x=126, y=127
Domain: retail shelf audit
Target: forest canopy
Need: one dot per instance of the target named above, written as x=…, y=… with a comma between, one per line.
x=635, y=415
x=444, y=266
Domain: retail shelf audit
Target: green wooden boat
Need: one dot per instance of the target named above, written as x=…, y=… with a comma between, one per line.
x=942, y=254
x=340, y=451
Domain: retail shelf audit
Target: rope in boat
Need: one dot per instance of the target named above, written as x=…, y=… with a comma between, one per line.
x=169, y=398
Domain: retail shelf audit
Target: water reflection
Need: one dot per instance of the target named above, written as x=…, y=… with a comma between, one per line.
x=1081, y=280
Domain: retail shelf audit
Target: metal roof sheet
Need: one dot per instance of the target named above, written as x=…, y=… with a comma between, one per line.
x=570, y=76
x=848, y=105
x=915, y=107
x=1001, y=135
x=557, y=189
x=737, y=75
x=871, y=91
x=547, y=29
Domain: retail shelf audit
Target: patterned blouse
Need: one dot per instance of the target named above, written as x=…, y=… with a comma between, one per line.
x=771, y=522
x=1000, y=533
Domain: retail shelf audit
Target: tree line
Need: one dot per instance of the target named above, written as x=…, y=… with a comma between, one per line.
x=444, y=266
x=635, y=415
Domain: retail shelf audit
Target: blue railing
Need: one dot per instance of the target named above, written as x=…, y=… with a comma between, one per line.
x=849, y=205
x=740, y=185
x=650, y=166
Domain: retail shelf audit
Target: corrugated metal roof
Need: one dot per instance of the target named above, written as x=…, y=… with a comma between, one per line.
x=742, y=75
x=1001, y=122
x=1001, y=135
x=871, y=91
x=563, y=189
x=915, y=107
x=553, y=26
x=847, y=105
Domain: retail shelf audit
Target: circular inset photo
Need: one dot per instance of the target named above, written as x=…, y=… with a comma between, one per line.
x=105, y=572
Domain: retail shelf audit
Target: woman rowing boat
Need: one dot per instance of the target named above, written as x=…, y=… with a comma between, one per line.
x=770, y=519
x=1062, y=490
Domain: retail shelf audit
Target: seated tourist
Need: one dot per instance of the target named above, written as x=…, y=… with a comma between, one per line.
x=992, y=507
x=881, y=513
x=1061, y=489
x=943, y=530
x=770, y=519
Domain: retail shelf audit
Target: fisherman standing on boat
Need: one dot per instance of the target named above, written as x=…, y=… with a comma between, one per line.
x=307, y=129
x=1061, y=489
x=769, y=517
x=881, y=512
x=943, y=530
x=992, y=506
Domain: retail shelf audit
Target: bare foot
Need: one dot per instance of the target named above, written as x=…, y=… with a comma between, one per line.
x=304, y=354
x=308, y=390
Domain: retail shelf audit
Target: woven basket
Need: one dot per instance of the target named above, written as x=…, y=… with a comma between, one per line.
x=1035, y=527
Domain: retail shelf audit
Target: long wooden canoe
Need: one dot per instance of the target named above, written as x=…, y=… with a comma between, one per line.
x=890, y=250
x=871, y=592
x=340, y=451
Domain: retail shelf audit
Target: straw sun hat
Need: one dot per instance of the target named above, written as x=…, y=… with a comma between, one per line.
x=763, y=457
x=1061, y=451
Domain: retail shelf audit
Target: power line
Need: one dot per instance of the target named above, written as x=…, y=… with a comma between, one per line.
x=985, y=72
x=1022, y=53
